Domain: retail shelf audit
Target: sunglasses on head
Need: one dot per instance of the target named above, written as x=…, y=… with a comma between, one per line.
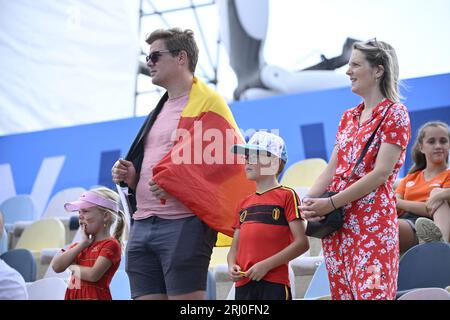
x=373, y=42
x=154, y=56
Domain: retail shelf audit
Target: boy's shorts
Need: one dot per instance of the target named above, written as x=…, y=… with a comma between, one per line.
x=263, y=290
x=168, y=256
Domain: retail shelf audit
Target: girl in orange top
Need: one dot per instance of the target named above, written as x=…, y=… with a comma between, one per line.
x=95, y=259
x=423, y=195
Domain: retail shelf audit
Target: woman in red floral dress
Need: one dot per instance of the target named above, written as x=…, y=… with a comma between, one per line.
x=362, y=257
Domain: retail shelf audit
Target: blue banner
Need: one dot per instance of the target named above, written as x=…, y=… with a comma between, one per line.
x=43, y=163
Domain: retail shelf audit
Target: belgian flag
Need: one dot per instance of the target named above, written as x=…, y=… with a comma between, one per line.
x=200, y=170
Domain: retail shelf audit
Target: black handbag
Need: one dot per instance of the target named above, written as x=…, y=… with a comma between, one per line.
x=335, y=219
x=332, y=222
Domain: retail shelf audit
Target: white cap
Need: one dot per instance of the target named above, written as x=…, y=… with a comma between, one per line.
x=263, y=141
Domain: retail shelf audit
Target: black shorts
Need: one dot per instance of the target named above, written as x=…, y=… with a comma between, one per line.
x=168, y=256
x=263, y=290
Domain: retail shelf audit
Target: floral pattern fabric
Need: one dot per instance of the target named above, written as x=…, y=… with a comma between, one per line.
x=362, y=257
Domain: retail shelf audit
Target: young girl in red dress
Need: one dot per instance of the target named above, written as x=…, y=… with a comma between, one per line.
x=94, y=260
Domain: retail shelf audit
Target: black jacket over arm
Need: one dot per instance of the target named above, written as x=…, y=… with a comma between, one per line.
x=136, y=152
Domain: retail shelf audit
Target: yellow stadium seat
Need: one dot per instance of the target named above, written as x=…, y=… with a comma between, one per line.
x=223, y=240
x=304, y=173
x=219, y=256
x=42, y=234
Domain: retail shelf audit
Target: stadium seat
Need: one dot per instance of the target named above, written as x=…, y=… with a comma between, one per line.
x=47, y=289
x=120, y=286
x=303, y=173
x=55, y=207
x=18, y=208
x=42, y=234
x=48, y=233
x=305, y=265
x=4, y=241
x=319, y=285
x=23, y=261
x=223, y=240
x=221, y=279
x=426, y=294
x=211, y=286
x=122, y=262
x=50, y=254
x=218, y=256
x=232, y=292
x=425, y=266
x=218, y=279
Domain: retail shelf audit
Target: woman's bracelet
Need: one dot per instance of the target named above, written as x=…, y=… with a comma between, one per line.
x=332, y=203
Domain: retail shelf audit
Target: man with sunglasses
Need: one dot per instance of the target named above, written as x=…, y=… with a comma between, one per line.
x=174, y=227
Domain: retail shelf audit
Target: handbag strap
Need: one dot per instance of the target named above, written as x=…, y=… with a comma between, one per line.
x=368, y=143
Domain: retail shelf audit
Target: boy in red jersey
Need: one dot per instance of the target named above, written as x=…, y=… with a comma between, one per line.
x=269, y=231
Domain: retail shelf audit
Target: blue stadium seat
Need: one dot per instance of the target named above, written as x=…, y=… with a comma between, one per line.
x=4, y=242
x=23, y=261
x=426, y=294
x=319, y=285
x=120, y=286
x=211, y=286
x=425, y=266
x=18, y=208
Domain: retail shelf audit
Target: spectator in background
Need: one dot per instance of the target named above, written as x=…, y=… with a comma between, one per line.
x=362, y=257
x=12, y=284
x=423, y=195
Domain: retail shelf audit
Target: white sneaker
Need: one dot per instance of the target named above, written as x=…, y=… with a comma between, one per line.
x=428, y=231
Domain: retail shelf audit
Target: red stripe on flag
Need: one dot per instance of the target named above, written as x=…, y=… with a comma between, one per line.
x=202, y=173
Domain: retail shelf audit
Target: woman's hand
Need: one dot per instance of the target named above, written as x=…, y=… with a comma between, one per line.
x=235, y=273
x=257, y=271
x=315, y=209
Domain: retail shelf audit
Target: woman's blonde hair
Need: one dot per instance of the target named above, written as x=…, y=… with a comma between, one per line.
x=419, y=159
x=380, y=53
x=118, y=217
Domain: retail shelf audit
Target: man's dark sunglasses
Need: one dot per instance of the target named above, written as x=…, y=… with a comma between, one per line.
x=154, y=56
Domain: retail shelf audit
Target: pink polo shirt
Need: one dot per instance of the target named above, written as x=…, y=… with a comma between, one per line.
x=156, y=145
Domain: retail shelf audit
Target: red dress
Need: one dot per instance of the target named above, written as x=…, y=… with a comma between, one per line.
x=84, y=290
x=362, y=257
